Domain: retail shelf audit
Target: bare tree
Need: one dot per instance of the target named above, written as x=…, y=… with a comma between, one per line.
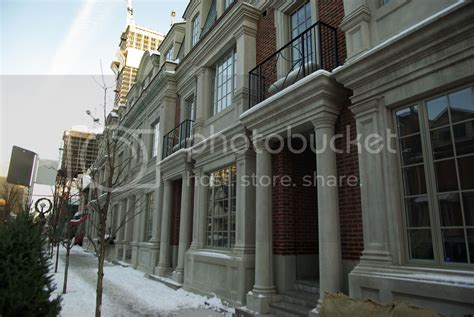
x=12, y=198
x=108, y=176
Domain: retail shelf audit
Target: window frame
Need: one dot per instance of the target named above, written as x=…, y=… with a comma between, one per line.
x=231, y=214
x=155, y=142
x=195, y=29
x=431, y=185
x=228, y=55
x=148, y=223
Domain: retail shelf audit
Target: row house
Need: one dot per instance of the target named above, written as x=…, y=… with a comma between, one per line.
x=260, y=90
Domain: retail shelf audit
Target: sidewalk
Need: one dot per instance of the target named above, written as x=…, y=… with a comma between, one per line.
x=127, y=292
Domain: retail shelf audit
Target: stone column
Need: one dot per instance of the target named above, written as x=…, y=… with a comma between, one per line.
x=156, y=231
x=259, y=299
x=136, y=230
x=328, y=207
x=203, y=98
x=186, y=195
x=164, y=260
x=199, y=211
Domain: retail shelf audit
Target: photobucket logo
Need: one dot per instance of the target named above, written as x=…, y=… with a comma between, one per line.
x=296, y=143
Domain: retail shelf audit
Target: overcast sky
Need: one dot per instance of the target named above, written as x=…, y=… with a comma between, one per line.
x=50, y=51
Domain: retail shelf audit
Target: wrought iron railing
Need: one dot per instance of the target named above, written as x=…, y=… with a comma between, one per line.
x=180, y=137
x=315, y=48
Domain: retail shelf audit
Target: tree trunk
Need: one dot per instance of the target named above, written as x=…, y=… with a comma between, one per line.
x=66, y=268
x=57, y=258
x=100, y=277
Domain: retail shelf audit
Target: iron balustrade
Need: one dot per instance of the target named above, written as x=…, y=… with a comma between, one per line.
x=180, y=137
x=315, y=48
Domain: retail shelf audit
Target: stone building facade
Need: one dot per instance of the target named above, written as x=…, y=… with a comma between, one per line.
x=260, y=89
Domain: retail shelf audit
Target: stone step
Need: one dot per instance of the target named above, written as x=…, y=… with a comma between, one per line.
x=300, y=298
x=308, y=286
x=168, y=281
x=285, y=309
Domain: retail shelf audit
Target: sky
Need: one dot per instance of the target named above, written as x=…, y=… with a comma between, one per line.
x=51, y=55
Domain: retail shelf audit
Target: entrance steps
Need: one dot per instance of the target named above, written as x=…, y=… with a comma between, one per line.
x=299, y=301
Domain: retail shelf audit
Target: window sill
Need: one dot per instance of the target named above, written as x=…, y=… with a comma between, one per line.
x=219, y=115
x=388, y=8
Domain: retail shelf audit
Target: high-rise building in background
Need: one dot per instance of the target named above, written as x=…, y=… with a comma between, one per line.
x=80, y=150
x=134, y=41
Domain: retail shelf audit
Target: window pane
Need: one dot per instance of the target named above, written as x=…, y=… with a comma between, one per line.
x=407, y=121
x=446, y=176
x=450, y=209
x=411, y=150
x=438, y=112
x=464, y=137
x=441, y=143
x=414, y=178
x=418, y=214
x=454, y=245
x=468, y=203
x=421, y=246
x=466, y=172
x=462, y=104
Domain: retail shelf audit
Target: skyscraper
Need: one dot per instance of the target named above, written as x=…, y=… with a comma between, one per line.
x=134, y=41
x=79, y=152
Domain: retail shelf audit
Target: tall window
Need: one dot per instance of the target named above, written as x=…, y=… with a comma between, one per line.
x=169, y=54
x=224, y=82
x=148, y=216
x=436, y=141
x=196, y=30
x=156, y=139
x=221, y=208
x=190, y=108
x=300, y=21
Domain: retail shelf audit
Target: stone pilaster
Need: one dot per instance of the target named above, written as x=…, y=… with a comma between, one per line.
x=184, y=239
x=164, y=261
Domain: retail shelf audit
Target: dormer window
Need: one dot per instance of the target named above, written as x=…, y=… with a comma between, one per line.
x=196, y=30
x=169, y=54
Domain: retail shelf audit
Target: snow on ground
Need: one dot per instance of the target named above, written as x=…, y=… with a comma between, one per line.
x=127, y=292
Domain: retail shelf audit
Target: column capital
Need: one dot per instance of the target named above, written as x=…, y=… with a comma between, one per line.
x=324, y=120
x=198, y=171
x=367, y=107
x=259, y=145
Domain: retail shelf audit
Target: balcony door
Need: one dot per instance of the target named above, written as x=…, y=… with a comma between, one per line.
x=302, y=51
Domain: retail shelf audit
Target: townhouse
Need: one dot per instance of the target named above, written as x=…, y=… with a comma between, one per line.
x=260, y=90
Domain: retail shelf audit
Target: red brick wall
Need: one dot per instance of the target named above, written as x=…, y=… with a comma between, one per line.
x=266, y=36
x=175, y=213
x=294, y=208
x=350, y=210
x=283, y=218
x=332, y=12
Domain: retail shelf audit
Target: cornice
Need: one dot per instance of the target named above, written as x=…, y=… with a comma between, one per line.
x=317, y=93
x=242, y=14
x=360, y=14
x=408, y=49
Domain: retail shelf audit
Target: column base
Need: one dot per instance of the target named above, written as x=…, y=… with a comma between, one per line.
x=259, y=301
x=178, y=275
x=162, y=270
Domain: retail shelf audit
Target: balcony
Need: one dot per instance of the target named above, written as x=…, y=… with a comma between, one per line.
x=314, y=49
x=181, y=137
